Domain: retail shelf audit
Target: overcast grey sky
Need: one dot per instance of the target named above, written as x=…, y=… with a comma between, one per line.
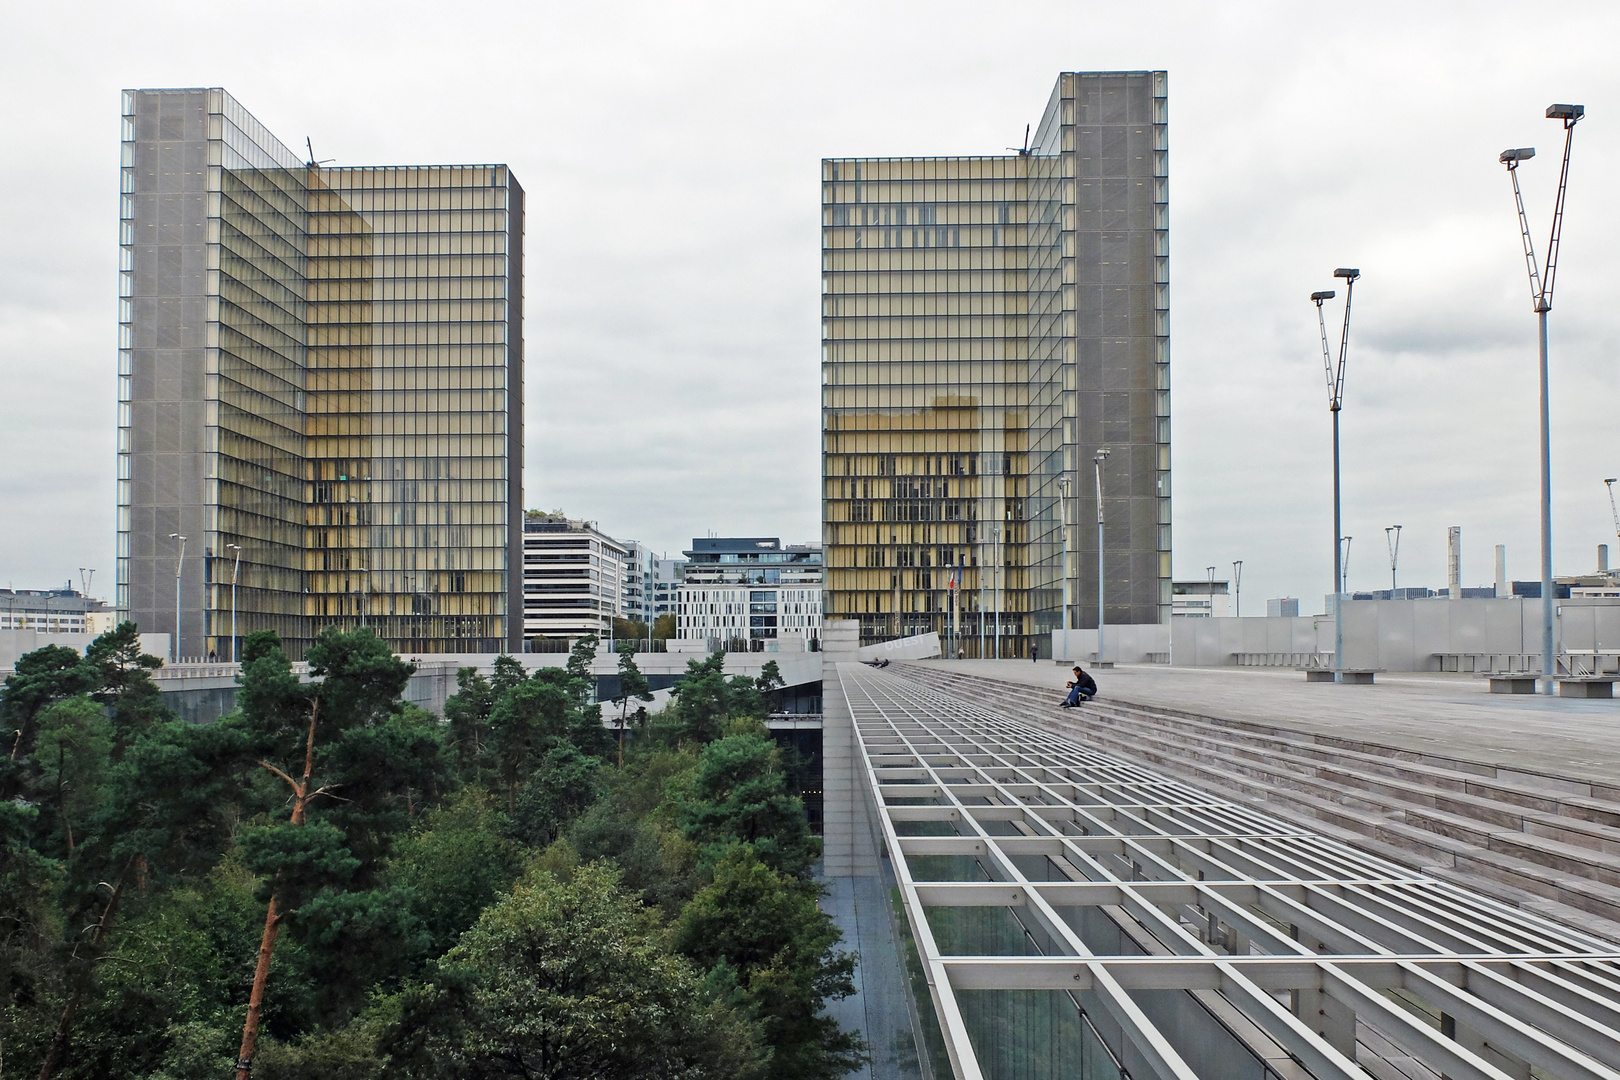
x=670, y=152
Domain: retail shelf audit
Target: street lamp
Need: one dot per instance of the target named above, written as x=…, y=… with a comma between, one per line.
x=1541, y=294
x=178, y=563
x=236, y=568
x=1392, y=535
x=995, y=583
x=1335, y=384
x=1097, y=460
x=1237, y=585
x=1063, y=516
x=365, y=595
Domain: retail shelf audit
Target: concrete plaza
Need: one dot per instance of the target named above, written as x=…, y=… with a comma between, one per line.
x=1453, y=716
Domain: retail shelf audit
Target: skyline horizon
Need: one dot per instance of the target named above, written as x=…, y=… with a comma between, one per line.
x=705, y=295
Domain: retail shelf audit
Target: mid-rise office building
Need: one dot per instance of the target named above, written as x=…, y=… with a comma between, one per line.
x=751, y=589
x=320, y=373
x=1202, y=599
x=668, y=577
x=573, y=578
x=54, y=611
x=639, y=563
x=989, y=325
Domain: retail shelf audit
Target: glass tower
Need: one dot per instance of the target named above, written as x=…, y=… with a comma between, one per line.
x=320, y=371
x=989, y=323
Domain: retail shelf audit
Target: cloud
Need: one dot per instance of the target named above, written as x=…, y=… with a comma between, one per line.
x=670, y=154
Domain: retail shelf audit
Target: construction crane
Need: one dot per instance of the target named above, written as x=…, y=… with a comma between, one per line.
x=1613, y=512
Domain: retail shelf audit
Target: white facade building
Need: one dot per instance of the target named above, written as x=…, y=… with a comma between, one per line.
x=54, y=611
x=751, y=589
x=573, y=578
x=1200, y=600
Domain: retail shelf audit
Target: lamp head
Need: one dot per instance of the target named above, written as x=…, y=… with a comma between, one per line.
x=1347, y=274
x=1323, y=294
x=1567, y=113
x=1612, y=480
x=1511, y=158
x=1101, y=455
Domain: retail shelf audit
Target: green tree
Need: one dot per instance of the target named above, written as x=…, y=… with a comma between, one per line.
x=467, y=711
x=72, y=751
x=663, y=627
x=767, y=928
x=739, y=794
x=40, y=677
x=564, y=785
x=701, y=702
x=122, y=675
x=580, y=659
x=570, y=979
x=629, y=630
x=632, y=684
x=456, y=862
x=286, y=722
x=530, y=719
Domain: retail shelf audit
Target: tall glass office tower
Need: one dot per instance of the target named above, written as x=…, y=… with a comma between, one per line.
x=988, y=324
x=320, y=372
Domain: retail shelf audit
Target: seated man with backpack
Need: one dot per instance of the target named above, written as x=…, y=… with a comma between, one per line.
x=1081, y=690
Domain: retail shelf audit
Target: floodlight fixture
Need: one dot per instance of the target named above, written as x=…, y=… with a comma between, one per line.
x=1335, y=386
x=1541, y=298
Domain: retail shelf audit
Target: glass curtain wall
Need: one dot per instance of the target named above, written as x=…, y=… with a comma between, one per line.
x=321, y=370
x=408, y=478
x=211, y=369
x=1100, y=347
x=988, y=324
x=925, y=398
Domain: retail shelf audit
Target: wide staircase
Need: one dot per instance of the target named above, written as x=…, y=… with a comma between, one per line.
x=1543, y=843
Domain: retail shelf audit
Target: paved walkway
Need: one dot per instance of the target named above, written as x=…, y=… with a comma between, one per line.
x=1450, y=715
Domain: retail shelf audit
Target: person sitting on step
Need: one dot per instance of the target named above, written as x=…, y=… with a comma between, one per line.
x=1081, y=689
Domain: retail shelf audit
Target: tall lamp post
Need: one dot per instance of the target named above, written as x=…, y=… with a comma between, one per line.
x=1063, y=516
x=1541, y=294
x=1392, y=534
x=1102, y=609
x=1335, y=384
x=1237, y=585
x=236, y=568
x=995, y=584
x=365, y=595
x=179, y=562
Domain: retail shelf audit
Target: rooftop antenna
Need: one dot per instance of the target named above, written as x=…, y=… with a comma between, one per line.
x=85, y=575
x=311, y=162
x=1022, y=151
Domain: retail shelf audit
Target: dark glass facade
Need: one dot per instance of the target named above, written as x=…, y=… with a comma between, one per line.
x=321, y=368
x=988, y=324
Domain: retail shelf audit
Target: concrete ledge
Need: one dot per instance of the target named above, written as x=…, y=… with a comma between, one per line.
x=1511, y=682
x=1589, y=686
x=1352, y=676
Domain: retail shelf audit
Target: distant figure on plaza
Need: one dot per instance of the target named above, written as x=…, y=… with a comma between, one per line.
x=1081, y=689
x=1034, y=653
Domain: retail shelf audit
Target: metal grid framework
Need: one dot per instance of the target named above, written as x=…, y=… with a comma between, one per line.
x=1316, y=958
